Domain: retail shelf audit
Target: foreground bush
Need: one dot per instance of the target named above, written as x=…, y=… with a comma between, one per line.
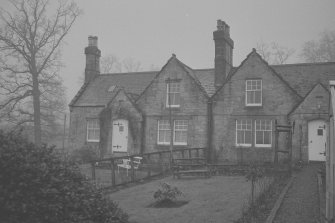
x=36, y=186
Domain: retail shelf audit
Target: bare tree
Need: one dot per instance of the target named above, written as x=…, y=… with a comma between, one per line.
x=110, y=64
x=30, y=38
x=274, y=53
x=322, y=50
x=131, y=65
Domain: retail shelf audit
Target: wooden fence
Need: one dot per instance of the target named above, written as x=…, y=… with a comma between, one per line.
x=108, y=173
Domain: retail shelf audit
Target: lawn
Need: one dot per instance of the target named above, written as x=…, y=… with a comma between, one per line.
x=215, y=199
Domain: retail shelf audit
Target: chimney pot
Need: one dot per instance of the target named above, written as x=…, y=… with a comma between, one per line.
x=220, y=24
x=93, y=41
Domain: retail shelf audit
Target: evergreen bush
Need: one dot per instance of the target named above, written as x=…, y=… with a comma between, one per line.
x=37, y=186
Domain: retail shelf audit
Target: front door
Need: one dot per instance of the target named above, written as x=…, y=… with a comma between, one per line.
x=317, y=140
x=120, y=135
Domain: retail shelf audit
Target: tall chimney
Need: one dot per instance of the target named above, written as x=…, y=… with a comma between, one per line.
x=223, y=52
x=92, y=69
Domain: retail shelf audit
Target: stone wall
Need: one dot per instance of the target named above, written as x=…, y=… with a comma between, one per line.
x=229, y=105
x=193, y=107
x=78, y=127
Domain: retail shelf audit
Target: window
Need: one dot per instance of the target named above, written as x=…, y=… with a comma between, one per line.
x=93, y=130
x=173, y=94
x=263, y=133
x=253, y=92
x=243, y=132
x=320, y=132
x=164, y=132
x=180, y=132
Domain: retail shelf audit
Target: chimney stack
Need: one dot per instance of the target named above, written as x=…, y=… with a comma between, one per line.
x=223, y=52
x=92, y=69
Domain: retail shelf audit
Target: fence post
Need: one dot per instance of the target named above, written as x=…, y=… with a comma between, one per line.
x=197, y=152
x=113, y=172
x=93, y=171
x=276, y=143
x=189, y=154
x=132, y=169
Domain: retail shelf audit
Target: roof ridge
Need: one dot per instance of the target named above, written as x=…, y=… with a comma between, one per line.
x=125, y=73
x=303, y=64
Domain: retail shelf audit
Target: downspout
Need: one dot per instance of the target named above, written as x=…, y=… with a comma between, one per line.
x=209, y=129
x=143, y=135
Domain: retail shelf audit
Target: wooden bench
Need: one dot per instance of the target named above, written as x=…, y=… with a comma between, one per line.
x=190, y=166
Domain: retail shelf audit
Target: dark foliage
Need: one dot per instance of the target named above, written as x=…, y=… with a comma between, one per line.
x=167, y=193
x=36, y=186
x=84, y=154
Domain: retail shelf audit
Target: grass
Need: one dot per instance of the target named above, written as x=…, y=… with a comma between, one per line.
x=267, y=196
x=215, y=199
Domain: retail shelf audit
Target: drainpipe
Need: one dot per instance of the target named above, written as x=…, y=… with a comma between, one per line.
x=143, y=134
x=209, y=130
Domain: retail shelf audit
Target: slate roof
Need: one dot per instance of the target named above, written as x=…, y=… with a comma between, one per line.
x=96, y=92
x=301, y=77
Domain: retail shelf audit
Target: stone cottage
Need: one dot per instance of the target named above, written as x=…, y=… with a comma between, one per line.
x=230, y=111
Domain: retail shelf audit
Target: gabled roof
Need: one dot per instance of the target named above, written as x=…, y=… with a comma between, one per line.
x=302, y=77
x=95, y=93
x=254, y=53
x=306, y=96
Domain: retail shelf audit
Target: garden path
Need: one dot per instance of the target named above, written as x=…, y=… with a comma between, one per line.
x=301, y=201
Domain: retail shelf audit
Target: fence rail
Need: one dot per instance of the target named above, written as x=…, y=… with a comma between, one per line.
x=112, y=172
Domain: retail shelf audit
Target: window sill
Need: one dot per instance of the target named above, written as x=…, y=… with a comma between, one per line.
x=243, y=145
x=168, y=145
x=263, y=146
x=92, y=140
x=253, y=106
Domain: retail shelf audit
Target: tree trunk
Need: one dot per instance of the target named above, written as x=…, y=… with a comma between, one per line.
x=37, y=111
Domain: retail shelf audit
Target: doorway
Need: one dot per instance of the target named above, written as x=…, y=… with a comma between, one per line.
x=317, y=137
x=120, y=136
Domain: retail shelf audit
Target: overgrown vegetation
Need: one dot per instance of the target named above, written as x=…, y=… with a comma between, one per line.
x=36, y=186
x=269, y=190
x=254, y=174
x=84, y=154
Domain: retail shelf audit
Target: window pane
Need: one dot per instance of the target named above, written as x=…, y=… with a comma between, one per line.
x=180, y=131
x=259, y=137
x=240, y=137
x=250, y=98
x=248, y=137
x=258, y=97
x=267, y=137
x=93, y=130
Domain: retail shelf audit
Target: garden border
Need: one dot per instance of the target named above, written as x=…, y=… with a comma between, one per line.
x=279, y=201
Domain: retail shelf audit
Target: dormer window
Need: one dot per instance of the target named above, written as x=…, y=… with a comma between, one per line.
x=173, y=94
x=253, y=92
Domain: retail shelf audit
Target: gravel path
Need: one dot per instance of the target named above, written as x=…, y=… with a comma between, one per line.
x=301, y=201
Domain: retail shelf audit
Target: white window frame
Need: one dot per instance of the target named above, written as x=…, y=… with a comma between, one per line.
x=171, y=90
x=240, y=127
x=159, y=128
x=180, y=126
x=253, y=87
x=93, y=124
x=263, y=128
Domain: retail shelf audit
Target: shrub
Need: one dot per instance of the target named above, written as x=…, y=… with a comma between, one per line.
x=84, y=155
x=36, y=186
x=167, y=193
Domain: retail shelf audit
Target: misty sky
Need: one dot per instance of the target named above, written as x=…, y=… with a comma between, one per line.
x=151, y=30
